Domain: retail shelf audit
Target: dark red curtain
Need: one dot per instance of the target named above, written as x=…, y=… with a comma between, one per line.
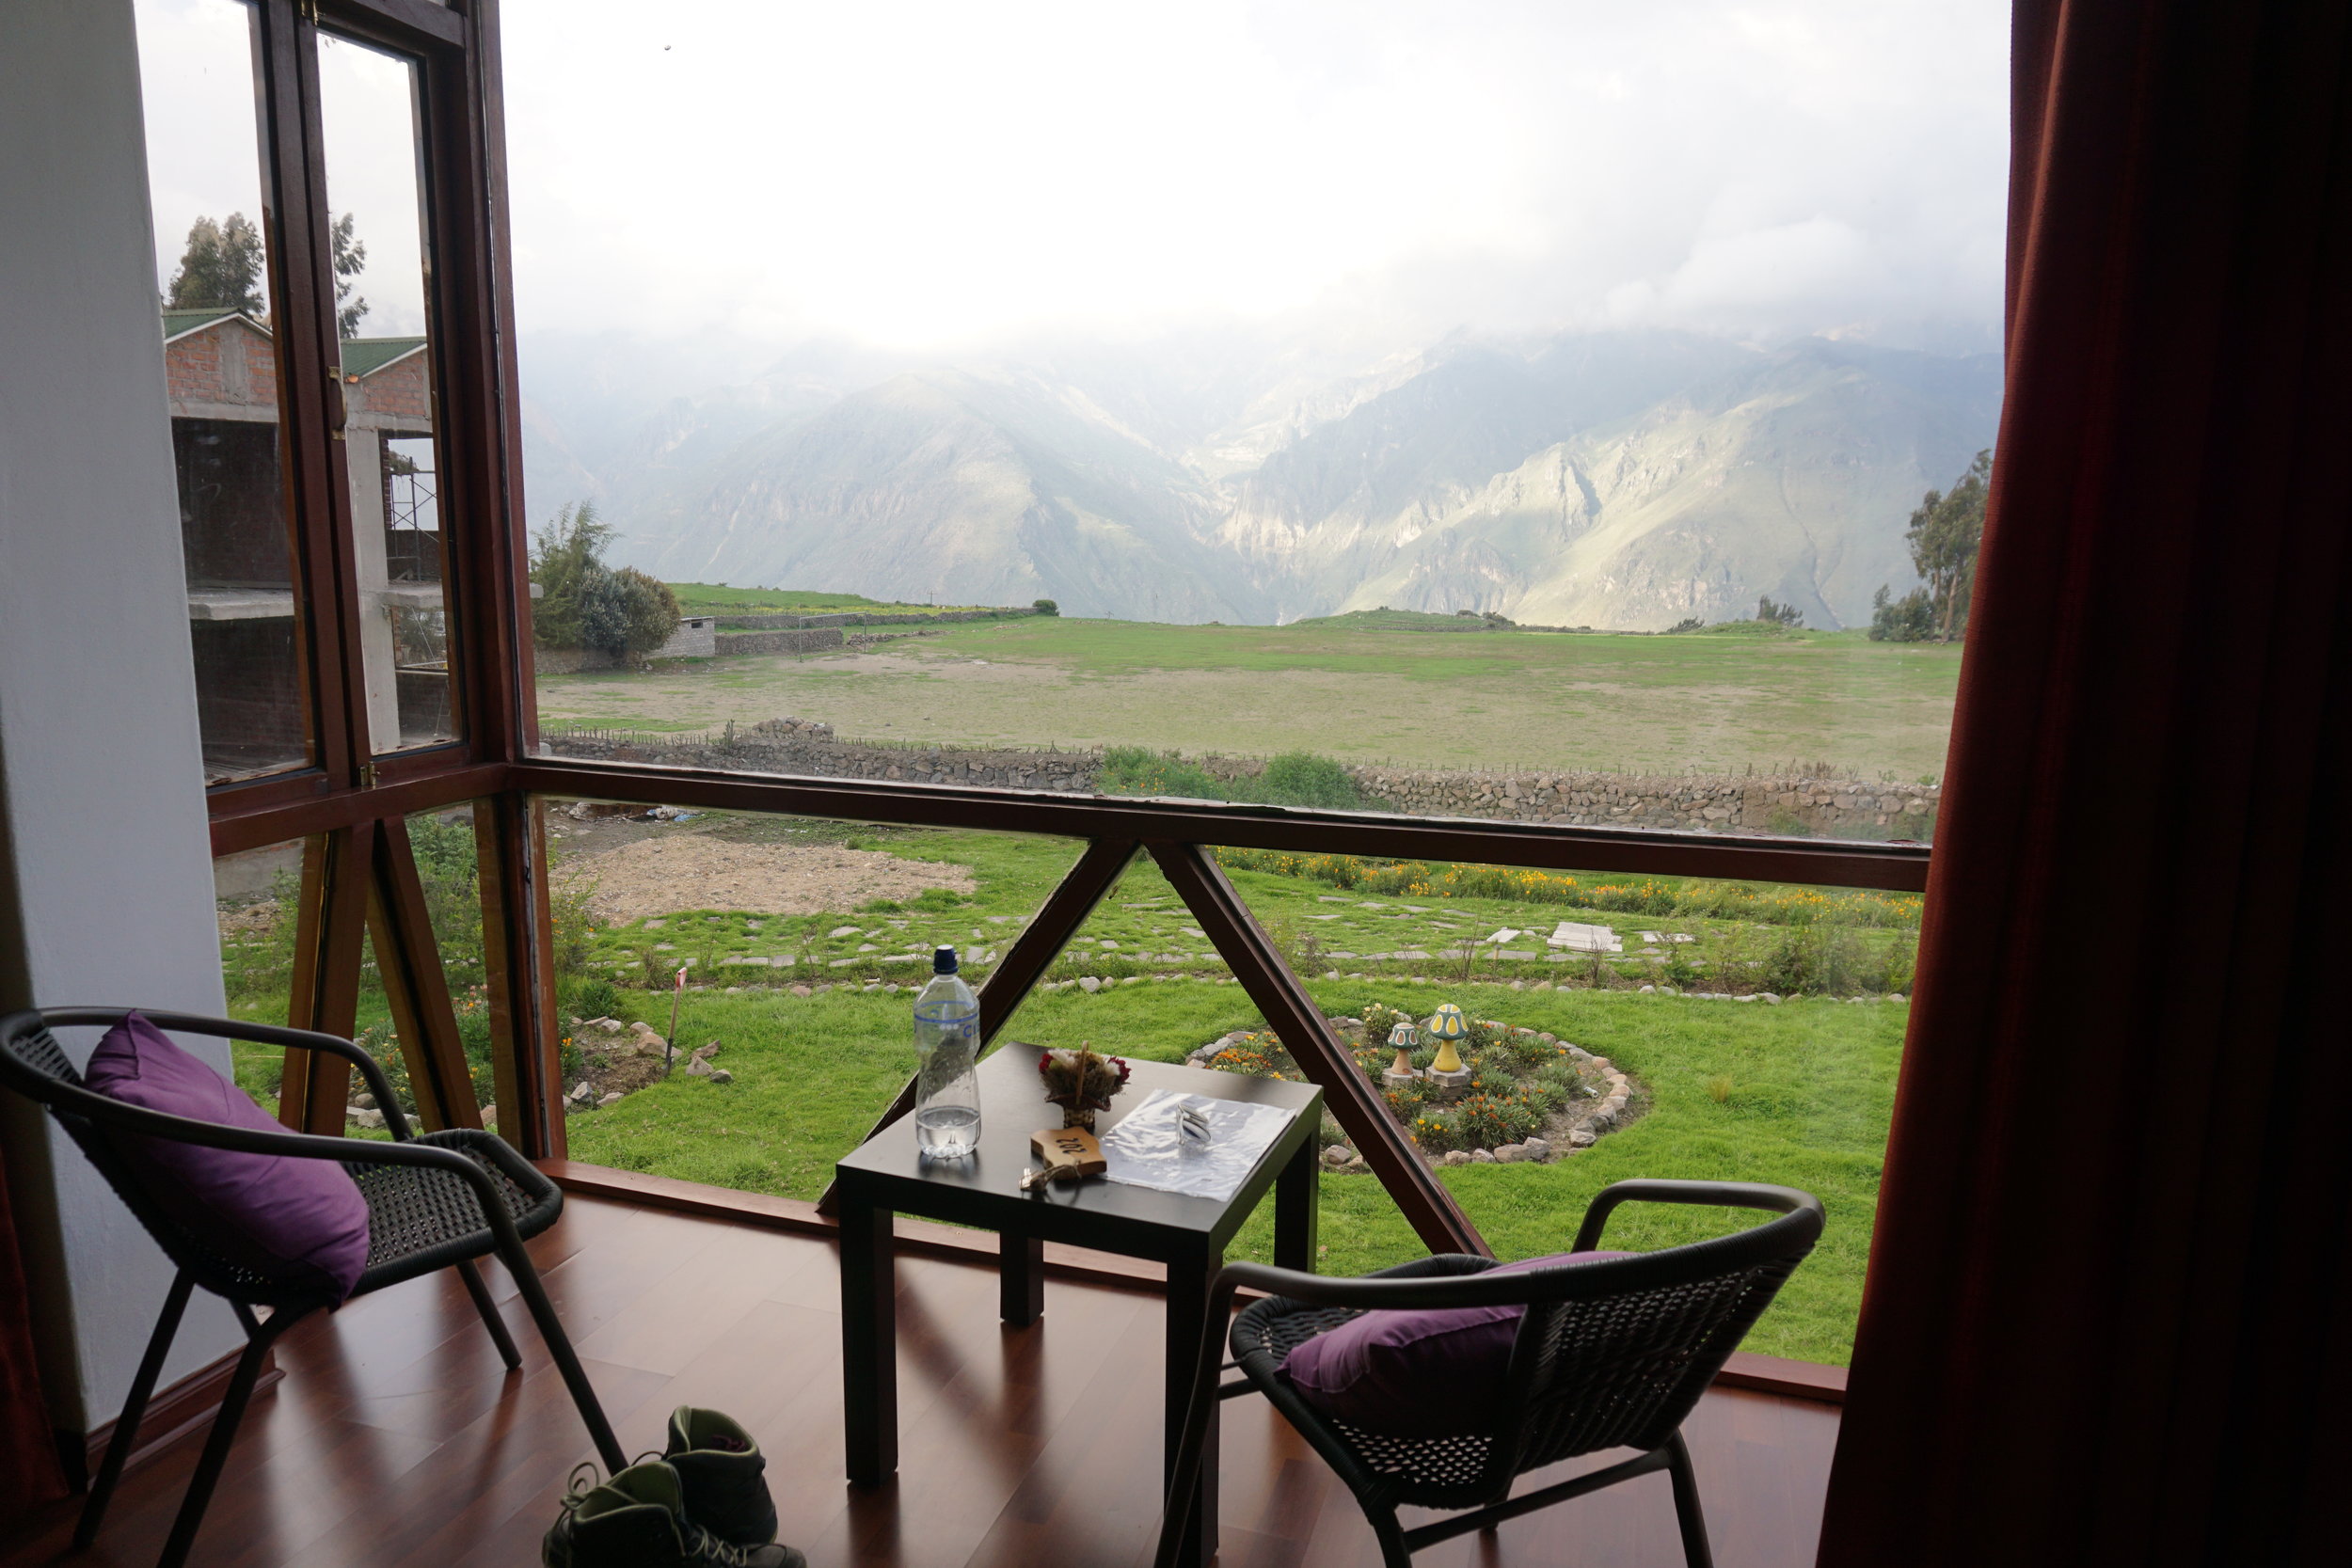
x=28, y=1459
x=2110, y=1315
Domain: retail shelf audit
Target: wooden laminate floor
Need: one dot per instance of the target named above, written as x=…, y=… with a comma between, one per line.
x=396, y=1440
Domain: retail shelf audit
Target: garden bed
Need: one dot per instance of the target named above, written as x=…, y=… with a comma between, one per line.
x=1532, y=1096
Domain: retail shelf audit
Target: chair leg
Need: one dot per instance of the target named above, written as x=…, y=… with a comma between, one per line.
x=127, y=1424
x=217, y=1443
x=490, y=1319
x=559, y=1345
x=1687, y=1510
x=1394, y=1552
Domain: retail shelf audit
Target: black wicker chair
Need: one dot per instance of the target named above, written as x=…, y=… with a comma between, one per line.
x=434, y=1202
x=1609, y=1355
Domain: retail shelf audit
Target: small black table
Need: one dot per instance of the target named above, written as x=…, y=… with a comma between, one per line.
x=885, y=1176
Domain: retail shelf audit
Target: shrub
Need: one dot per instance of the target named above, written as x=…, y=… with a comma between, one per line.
x=1137, y=770
x=1491, y=1120
x=1528, y=1051
x=1439, y=1131
x=1304, y=779
x=585, y=603
x=592, y=997
x=1909, y=619
x=1045, y=607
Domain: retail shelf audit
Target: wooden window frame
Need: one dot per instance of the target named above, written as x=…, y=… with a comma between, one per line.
x=360, y=875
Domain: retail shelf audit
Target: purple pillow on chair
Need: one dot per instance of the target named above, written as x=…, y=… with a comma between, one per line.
x=298, y=1222
x=1417, y=1375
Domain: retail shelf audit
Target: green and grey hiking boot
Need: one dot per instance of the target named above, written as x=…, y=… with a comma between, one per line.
x=638, y=1520
x=723, y=1473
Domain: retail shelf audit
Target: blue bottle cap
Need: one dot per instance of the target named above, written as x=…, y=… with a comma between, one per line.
x=943, y=960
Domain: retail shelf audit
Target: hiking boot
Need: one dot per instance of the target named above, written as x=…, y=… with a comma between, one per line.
x=638, y=1520
x=723, y=1473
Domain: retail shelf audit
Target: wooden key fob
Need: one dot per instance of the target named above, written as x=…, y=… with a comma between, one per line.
x=1070, y=1146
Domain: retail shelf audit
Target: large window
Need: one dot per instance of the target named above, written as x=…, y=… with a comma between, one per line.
x=1245, y=575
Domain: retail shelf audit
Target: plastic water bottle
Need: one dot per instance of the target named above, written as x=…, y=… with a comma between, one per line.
x=946, y=1049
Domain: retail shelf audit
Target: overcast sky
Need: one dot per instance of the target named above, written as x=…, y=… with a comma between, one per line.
x=944, y=177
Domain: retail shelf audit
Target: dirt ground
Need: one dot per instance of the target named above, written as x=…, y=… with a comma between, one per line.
x=669, y=870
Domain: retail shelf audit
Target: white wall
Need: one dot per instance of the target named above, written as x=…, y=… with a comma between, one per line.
x=105, y=874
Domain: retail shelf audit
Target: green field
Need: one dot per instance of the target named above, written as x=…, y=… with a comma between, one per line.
x=1718, y=702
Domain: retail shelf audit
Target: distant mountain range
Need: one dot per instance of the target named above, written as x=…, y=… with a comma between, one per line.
x=1612, y=480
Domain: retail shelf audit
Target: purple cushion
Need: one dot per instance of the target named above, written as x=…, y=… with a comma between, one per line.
x=299, y=1221
x=1417, y=1375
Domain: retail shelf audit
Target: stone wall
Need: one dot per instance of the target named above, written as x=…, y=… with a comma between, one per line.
x=807, y=642
x=1702, y=800
x=1813, y=806
x=859, y=618
x=571, y=661
x=800, y=750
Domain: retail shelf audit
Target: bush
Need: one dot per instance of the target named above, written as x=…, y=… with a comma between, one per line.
x=1491, y=1120
x=1304, y=779
x=1137, y=770
x=1909, y=619
x=586, y=604
x=1045, y=607
x=594, y=997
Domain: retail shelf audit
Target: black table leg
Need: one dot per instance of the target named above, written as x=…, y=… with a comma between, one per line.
x=1021, y=1278
x=1296, y=1202
x=1187, y=1321
x=870, y=1350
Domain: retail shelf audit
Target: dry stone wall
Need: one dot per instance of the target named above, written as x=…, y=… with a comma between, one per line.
x=1824, y=806
x=809, y=640
x=860, y=618
x=1696, y=800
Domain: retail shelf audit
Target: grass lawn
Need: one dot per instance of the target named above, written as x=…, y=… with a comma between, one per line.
x=1718, y=702
x=1807, y=1085
x=1811, y=1087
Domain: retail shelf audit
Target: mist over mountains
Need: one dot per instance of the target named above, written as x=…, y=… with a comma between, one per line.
x=1611, y=479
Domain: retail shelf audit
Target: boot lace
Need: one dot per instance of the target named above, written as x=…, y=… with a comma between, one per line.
x=707, y=1551
x=584, y=1480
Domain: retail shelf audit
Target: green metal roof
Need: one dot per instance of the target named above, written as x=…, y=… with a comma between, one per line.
x=366, y=355
x=178, y=324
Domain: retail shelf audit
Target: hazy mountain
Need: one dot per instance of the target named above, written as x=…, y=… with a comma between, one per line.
x=1609, y=480
x=960, y=487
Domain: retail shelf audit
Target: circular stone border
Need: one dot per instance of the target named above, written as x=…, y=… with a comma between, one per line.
x=1571, y=1130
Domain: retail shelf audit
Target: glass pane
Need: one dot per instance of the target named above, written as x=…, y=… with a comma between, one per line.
x=382, y=258
x=804, y=942
x=215, y=232
x=1605, y=455
x=258, y=894
x=1753, y=1031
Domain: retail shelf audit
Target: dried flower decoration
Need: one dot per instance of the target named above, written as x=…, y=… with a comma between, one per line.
x=1081, y=1082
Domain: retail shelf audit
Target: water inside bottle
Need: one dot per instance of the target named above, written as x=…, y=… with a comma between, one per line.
x=946, y=1131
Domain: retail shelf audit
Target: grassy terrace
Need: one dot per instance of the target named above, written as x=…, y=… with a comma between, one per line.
x=1716, y=701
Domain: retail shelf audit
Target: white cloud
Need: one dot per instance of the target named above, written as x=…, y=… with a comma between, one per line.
x=931, y=175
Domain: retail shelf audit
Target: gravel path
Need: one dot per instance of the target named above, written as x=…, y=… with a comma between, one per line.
x=682, y=871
